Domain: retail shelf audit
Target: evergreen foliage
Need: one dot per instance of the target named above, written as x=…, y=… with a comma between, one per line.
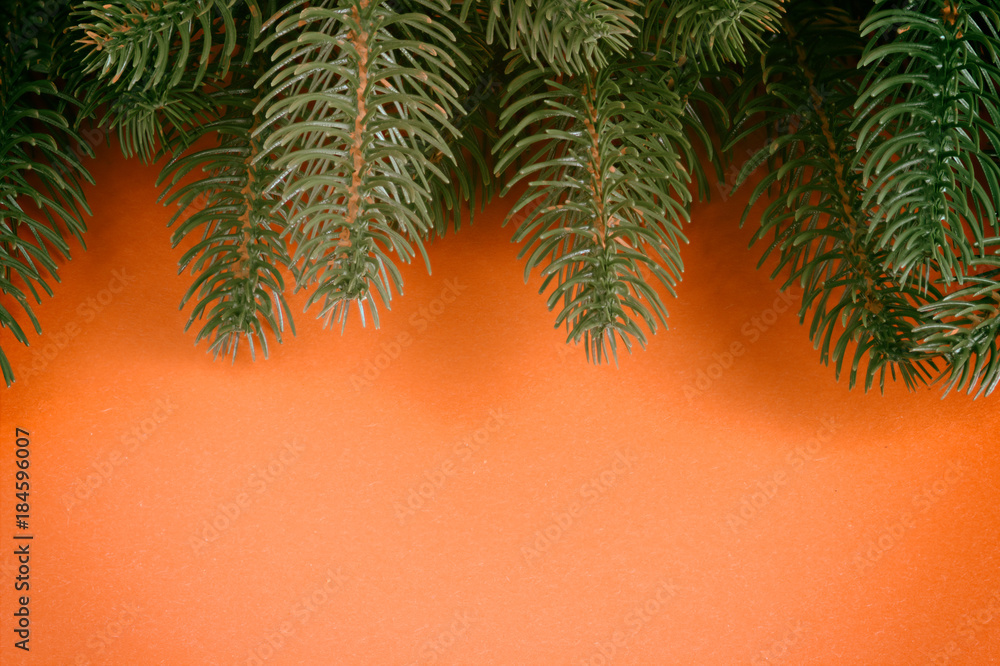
x=606, y=198
x=239, y=259
x=817, y=212
x=41, y=198
x=322, y=142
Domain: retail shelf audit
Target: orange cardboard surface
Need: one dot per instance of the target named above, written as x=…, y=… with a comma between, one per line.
x=459, y=486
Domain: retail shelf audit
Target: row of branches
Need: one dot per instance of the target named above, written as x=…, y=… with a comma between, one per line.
x=329, y=141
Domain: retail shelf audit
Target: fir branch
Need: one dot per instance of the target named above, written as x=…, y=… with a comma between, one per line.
x=352, y=110
x=242, y=252
x=605, y=201
x=965, y=330
x=929, y=107
x=38, y=167
x=817, y=211
x=144, y=79
x=148, y=123
x=569, y=36
x=357, y=143
x=155, y=41
x=710, y=32
x=704, y=118
x=469, y=178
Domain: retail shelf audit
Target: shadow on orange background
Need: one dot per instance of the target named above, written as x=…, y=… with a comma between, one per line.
x=460, y=487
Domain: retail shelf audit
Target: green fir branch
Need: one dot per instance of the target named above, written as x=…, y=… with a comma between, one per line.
x=331, y=139
x=467, y=182
x=239, y=289
x=965, y=328
x=606, y=198
x=154, y=42
x=569, y=36
x=710, y=32
x=817, y=211
x=42, y=201
x=351, y=112
x=147, y=70
x=928, y=109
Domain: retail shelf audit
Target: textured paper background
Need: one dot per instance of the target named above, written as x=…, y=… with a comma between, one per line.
x=459, y=487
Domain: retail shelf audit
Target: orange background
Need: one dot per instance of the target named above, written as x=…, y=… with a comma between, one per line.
x=483, y=495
